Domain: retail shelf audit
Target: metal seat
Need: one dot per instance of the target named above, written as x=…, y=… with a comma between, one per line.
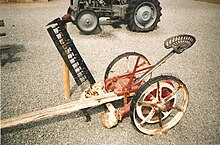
x=180, y=42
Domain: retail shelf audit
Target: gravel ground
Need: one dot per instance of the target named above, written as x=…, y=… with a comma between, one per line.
x=33, y=79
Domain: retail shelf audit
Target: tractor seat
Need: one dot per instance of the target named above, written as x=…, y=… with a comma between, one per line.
x=180, y=42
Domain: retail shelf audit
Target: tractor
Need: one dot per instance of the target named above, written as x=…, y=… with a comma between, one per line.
x=139, y=15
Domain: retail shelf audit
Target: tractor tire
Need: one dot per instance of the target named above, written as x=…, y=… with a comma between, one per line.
x=87, y=21
x=143, y=15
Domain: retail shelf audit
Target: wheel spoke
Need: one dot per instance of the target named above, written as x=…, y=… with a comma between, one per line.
x=136, y=65
x=172, y=95
x=127, y=63
x=159, y=92
x=160, y=119
x=149, y=116
x=142, y=64
x=165, y=113
x=146, y=103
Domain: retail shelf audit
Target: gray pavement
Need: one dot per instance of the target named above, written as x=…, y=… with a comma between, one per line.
x=33, y=80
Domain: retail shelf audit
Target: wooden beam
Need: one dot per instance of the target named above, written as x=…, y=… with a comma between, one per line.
x=66, y=77
x=66, y=80
x=60, y=110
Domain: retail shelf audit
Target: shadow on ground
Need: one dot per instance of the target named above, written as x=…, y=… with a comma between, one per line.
x=8, y=55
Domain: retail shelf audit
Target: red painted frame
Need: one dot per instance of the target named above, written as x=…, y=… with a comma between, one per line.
x=128, y=87
x=131, y=76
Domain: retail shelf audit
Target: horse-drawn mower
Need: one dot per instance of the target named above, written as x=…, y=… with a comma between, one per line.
x=155, y=104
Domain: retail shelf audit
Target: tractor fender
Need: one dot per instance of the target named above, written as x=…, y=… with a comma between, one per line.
x=74, y=5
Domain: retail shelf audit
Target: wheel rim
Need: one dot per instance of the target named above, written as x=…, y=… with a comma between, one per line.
x=148, y=112
x=145, y=15
x=87, y=21
x=172, y=114
x=124, y=64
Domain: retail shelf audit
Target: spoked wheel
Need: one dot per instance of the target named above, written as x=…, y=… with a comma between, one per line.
x=143, y=15
x=159, y=105
x=119, y=72
x=87, y=21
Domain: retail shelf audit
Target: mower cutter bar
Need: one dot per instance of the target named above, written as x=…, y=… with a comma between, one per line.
x=69, y=53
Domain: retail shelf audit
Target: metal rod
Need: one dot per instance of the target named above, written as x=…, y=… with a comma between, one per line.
x=155, y=66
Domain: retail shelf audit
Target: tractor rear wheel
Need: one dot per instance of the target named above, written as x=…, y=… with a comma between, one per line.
x=143, y=15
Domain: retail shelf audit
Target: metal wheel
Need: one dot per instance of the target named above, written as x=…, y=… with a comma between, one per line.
x=119, y=72
x=159, y=105
x=87, y=21
x=143, y=15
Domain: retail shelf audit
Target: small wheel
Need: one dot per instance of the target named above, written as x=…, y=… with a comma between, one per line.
x=118, y=73
x=159, y=105
x=87, y=21
x=143, y=15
